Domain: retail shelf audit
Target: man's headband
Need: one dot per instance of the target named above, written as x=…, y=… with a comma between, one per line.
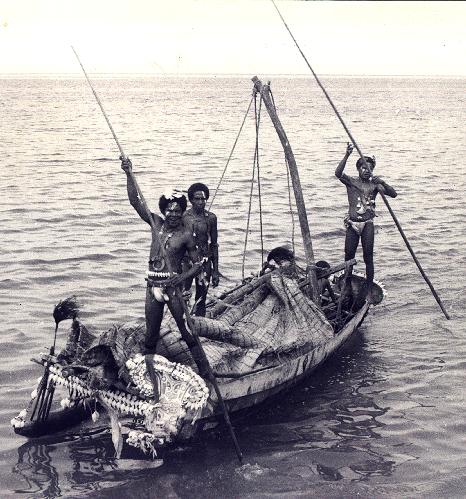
x=172, y=196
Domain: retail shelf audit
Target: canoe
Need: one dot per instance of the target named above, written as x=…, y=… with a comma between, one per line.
x=260, y=338
x=195, y=400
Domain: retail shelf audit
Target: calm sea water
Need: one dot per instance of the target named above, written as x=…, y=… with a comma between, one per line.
x=384, y=418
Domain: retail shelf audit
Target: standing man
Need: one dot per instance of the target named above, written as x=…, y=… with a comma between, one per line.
x=203, y=226
x=359, y=222
x=170, y=244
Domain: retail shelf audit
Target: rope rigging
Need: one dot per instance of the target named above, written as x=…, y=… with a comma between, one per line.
x=256, y=164
x=258, y=114
x=231, y=154
x=251, y=190
x=249, y=217
x=290, y=203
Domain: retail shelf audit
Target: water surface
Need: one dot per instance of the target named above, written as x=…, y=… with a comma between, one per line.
x=384, y=418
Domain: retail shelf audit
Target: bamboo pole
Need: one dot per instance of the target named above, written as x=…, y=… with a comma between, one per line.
x=264, y=91
x=205, y=361
x=416, y=261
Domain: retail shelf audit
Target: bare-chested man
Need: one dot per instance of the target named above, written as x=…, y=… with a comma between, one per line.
x=203, y=227
x=359, y=222
x=169, y=246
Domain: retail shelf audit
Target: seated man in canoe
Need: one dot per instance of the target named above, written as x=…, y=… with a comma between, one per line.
x=283, y=258
x=325, y=290
x=359, y=222
x=203, y=227
x=171, y=241
x=280, y=257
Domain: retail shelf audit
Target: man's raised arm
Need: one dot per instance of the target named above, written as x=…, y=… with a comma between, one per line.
x=133, y=196
x=342, y=164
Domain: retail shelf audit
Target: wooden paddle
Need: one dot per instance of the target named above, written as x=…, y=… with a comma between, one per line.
x=210, y=374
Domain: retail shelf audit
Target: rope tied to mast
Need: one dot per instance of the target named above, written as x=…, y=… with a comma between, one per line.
x=288, y=182
x=257, y=115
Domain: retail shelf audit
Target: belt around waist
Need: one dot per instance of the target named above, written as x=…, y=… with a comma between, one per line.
x=358, y=220
x=158, y=278
x=159, y=275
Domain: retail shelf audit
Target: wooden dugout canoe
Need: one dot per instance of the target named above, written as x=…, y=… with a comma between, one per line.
x=239, y=392
x=249, y=389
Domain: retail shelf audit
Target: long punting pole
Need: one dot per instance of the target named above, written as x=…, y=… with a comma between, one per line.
x=385, y=200
x=264, y=91
x=189, y=321
x=122, y=153
x=416, y=261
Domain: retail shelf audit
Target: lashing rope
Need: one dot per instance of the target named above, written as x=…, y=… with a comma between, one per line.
x=290, y=205
x=259, y=176
x=249, y=215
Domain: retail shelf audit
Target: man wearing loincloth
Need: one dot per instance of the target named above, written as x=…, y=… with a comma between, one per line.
x=359, y=222
x=203, y=227
x=171, y=242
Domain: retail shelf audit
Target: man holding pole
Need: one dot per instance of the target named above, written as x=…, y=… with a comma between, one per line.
x=359, y=222
x=158, y=249
x=169, y=246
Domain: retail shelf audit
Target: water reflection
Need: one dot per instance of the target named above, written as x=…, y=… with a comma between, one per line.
x=47, y=471
x=91, y=462
x=329, y=424
x=35, y=467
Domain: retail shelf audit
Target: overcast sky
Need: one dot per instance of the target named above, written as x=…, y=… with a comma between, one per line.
x=234, y=36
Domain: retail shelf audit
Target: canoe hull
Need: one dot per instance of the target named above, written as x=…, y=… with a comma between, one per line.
x=253, y=389
x=57, y=421
x=238, y=393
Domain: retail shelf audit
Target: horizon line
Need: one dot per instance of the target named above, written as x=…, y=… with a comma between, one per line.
x=348, y=75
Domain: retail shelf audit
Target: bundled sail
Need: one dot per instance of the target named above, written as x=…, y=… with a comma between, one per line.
x=275, y=321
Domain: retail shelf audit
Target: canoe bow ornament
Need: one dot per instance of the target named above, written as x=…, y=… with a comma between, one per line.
x=183, y=396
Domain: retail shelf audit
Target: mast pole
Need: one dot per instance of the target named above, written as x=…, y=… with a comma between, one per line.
x=264, y=91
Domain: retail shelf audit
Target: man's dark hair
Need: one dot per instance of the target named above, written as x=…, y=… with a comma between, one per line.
x=371, y=161
x=322, y=264
x=198, y=186
x=280, y=253
x=176, y=198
